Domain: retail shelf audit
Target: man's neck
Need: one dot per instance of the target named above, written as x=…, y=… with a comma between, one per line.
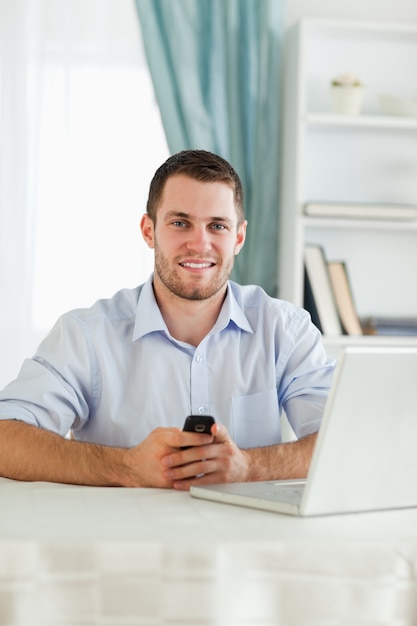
x=188, y=320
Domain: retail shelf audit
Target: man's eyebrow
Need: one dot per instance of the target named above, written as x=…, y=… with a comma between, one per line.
x=171, y=214
x=226, y=220
x=187, y=216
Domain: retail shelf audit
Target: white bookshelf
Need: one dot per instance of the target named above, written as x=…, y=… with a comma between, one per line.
x=370, y=157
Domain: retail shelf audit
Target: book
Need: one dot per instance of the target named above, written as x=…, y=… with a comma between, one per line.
x=367, y=210
x=344, y=298
x=310, y=303
x=390, y=325
x=322, y=305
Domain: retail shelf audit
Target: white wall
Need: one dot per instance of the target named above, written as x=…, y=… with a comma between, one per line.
x=378, y=10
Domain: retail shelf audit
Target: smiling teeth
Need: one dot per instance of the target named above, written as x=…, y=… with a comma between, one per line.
x=197, y=266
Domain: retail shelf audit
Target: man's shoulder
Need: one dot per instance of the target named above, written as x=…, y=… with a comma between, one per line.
x=246, y=295
x=254, y=296
x=121, y=306
x=259, y=308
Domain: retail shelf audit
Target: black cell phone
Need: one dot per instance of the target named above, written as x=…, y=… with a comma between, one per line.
x=199, y=424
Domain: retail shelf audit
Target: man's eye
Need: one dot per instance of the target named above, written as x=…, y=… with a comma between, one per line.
x=218, y=226
x=179, y=223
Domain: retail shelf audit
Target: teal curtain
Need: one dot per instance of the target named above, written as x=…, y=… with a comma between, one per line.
x=215, y=66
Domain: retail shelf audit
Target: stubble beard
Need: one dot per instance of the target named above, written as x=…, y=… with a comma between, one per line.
x=173, y=282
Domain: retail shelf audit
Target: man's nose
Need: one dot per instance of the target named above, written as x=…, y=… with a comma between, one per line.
x=199, y=240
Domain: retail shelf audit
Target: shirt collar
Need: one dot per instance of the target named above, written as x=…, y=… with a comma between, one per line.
x=148, y=315
x=231, y=311
x=149, y=318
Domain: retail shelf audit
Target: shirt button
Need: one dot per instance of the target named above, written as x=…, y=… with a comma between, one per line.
x=199, y=358
x=201, y=410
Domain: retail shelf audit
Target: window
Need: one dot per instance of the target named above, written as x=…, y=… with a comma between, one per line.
x=100, y=141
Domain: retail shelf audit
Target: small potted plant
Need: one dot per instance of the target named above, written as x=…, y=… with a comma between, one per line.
x=347, y=94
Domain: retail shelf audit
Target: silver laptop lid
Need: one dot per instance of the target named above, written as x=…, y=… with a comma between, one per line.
x=365, y=457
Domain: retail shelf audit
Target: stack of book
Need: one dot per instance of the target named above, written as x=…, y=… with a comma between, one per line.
x=329, y=299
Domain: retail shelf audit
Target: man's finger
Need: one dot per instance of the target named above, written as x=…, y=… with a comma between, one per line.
x=220, y=433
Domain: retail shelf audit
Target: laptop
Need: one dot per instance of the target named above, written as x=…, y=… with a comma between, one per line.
x=365, y=456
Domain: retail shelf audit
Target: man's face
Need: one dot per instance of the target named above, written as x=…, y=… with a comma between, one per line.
x=195, y=237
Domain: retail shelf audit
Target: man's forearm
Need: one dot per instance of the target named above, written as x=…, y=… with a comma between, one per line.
x=29, y=453
x=34, y=454
x=282, y=461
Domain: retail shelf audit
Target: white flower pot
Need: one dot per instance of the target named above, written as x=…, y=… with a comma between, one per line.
x=346, y=100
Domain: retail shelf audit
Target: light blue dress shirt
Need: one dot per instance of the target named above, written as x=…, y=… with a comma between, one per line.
x=112, y=373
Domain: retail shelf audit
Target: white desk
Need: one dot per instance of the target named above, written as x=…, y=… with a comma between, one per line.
x=85, y=556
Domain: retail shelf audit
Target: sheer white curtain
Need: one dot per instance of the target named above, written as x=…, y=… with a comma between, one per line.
x=80, y=138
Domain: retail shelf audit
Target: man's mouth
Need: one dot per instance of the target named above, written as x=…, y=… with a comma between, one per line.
x=196, y=266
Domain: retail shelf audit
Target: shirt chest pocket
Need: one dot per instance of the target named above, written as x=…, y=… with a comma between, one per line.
x=256, y=419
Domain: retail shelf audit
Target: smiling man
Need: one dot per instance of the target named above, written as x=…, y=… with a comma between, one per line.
x=196, y=233
x=123, y=375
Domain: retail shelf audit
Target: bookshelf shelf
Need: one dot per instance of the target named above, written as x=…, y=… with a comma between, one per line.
x=359, y=224
x=369, y=158
x=362, y=121
x=334, y=344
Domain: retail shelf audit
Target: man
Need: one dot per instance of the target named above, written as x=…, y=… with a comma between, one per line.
x=123, y=375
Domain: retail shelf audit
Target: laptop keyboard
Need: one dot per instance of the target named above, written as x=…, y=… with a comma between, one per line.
x=285, y=492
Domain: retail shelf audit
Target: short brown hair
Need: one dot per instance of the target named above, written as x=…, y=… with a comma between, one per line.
x=200, y=165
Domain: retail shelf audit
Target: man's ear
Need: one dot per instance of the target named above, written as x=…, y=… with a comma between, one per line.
x=148, y=231
x=240, y=237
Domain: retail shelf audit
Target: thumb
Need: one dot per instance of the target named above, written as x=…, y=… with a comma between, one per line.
x=220, y=433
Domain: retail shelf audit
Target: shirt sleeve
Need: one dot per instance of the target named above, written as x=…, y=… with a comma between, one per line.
x=306, y=376
x=55, y=389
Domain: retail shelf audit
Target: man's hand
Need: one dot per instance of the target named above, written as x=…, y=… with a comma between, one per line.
x=222, y=461
x=218, y=462
x=145, y=464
